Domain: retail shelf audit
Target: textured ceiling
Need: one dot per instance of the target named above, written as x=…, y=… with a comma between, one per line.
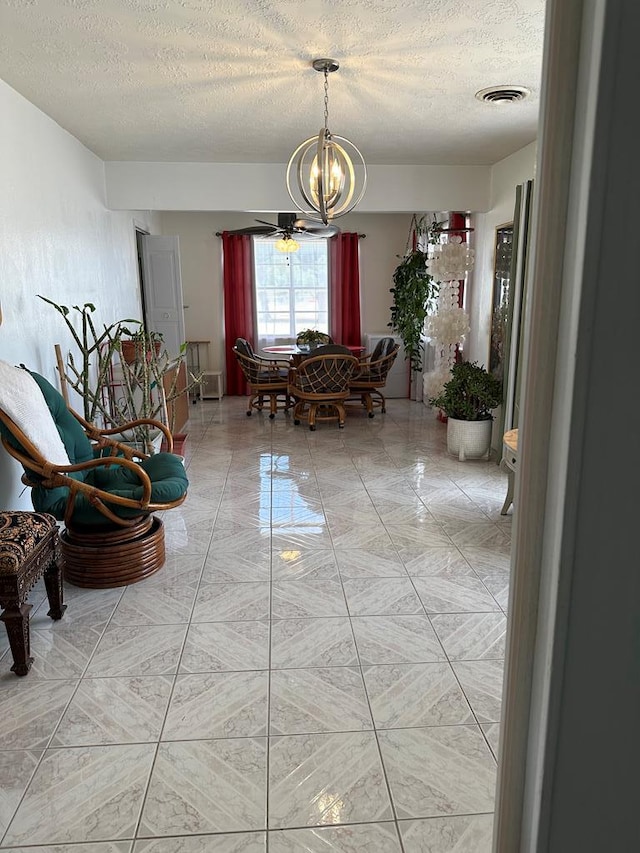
x=231, y=81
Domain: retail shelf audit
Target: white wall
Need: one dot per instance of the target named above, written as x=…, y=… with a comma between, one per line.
x=261, y=186
x=201, y=262
x=56, y=238
x=505, y=176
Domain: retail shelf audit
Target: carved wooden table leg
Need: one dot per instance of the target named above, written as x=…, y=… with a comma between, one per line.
x=29, y=550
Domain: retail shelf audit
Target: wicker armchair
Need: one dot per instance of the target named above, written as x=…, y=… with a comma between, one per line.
x=105, y=491
x=320, y=385
x=373, y=376
x=267, y=378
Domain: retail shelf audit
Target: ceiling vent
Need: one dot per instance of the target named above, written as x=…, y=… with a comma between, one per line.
x=503, y=94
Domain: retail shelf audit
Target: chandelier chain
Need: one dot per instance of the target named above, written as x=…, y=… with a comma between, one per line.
x=326, y=101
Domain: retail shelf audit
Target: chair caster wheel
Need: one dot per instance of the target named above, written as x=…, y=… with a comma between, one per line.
x=312, y=428
x=340, y=426
x=271, y=416
x=383, y=410
x=248, y=414
x=296, y=422
x=371, y=414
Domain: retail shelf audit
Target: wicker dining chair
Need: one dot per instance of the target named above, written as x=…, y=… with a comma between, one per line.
x=373, y=374
x=267, y=378
x=320, y=385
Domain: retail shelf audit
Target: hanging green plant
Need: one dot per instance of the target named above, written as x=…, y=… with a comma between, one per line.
x=414, y=293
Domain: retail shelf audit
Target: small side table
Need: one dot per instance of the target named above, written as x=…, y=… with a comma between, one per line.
x=29, y=549
x=509, y=461
x=212, y=385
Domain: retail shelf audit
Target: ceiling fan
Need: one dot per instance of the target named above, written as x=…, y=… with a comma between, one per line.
x=289, y=225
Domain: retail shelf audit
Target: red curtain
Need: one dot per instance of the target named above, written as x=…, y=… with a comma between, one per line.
x=344, y=289
x=237, y=269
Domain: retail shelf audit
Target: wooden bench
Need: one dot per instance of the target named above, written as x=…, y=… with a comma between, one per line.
x=29, y=550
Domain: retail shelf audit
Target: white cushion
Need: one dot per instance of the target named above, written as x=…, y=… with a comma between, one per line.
x=22, y=399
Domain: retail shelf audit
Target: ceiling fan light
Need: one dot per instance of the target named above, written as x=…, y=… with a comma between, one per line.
x=287, y=245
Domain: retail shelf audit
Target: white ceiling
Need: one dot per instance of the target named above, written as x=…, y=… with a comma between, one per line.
x=231, y=80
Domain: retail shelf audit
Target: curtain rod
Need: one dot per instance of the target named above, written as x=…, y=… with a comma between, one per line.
x=219, y=234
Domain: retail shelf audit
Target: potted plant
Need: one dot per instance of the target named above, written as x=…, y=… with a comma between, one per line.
x=139, y=342
x=467, y=400
x=114, y=390
x=311, y=338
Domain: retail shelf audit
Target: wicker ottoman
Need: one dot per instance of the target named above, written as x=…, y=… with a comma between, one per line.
x=29, y=548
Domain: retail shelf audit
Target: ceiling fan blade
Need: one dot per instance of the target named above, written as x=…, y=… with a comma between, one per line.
x=270, y=224
x=317, y=229
x=258, y=230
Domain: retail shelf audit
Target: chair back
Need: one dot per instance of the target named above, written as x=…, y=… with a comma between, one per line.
x=376, y=371
x=331, y=349
x=325, y=375
x=383, y=347
x=258, y=371
x=244, y=347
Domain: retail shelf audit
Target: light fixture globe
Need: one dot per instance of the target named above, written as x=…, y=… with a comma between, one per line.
x=325, y=174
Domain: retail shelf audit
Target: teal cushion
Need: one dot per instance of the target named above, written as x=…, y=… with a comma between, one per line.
x=168, y=483
x=76, y=443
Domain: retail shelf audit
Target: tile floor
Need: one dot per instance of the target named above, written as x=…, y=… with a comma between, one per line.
x=318, y=667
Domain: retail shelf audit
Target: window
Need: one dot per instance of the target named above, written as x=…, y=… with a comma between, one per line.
x=292, y=291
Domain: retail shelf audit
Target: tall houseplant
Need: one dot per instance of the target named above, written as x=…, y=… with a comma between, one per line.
x=115, y=390
x=467, y=400
x=414, y=292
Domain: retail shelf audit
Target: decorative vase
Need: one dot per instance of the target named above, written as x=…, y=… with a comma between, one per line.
x=469, y=439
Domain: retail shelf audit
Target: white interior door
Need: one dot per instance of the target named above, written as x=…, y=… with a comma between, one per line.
x=162, y=286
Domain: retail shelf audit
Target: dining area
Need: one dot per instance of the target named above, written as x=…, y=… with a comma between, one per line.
x=316, y=380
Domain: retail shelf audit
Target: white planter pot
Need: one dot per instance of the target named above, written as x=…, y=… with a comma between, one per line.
x=469, y=439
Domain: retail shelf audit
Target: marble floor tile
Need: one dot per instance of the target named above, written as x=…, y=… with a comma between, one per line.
x=301, y=539
x=226, y=646
x=318, y=700
x=304, y=565
x=471, y=636
x=224, y=566
x=85, y=607
x=312, y=642
x=491, y=732
x=445, y=560
x=115, y=710
x=419, y=694
x=454, y=594
x=438, y=770
x=356, y=838
x=321, y=779
x=374, y=538
x=218, y=705
x=478, y=535
x=95, y=847
x=481, y=681
x=240, y=842
x=63, y=651
x=159, y=600
x=381, y=596
x=16, y=769
x=360, y=563
x=407, y=537
x=181, y=539
x=487, y=559
x=231, y=602
x=139, y=650
x=31, y=710
x=207, y=786
x=83, y=794
x=396, y=639
x=464, y=834
x=300, y=599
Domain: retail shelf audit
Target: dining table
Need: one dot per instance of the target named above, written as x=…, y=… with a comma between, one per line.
x=296, y=353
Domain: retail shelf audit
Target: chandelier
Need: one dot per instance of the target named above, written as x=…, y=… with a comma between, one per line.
x=326, y=178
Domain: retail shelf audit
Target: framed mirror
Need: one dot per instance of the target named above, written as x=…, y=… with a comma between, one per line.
x=503, y=253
